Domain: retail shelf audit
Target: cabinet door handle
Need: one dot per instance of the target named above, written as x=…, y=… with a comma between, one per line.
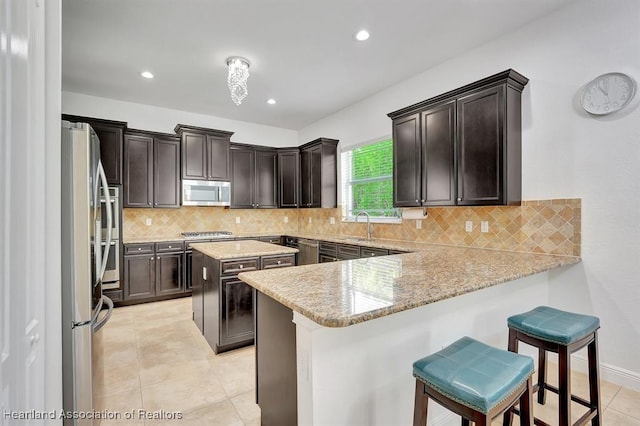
x=257, y=205
x=149, y=203
x=151, y=258
x=459, y=199
x=204, y=273
x=155, y=204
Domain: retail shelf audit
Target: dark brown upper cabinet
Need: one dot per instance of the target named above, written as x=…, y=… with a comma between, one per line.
x=253, y=177
x=319, y=173
x=462, y=147
x=151, y=169
x=110, y=134
x=205, y=153
x=288, y=178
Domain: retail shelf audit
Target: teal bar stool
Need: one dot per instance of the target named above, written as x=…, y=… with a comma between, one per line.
x=562, y=332
x=475, y=381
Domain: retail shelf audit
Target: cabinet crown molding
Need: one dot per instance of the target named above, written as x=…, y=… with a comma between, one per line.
x=511, y=77
x=213, y=132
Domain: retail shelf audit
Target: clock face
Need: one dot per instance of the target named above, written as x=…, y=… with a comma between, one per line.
x=608, y=93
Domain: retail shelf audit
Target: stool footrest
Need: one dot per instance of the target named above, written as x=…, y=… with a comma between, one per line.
x=555, y=390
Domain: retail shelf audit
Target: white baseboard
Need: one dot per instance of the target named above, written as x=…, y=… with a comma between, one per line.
x=609, y=373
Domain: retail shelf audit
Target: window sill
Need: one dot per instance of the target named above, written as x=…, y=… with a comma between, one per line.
x=387, y=220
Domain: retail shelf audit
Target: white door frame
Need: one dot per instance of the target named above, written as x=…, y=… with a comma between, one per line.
x=30, y=330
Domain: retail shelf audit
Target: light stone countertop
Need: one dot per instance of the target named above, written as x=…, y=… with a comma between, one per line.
x=243, y=248
x=339, y=294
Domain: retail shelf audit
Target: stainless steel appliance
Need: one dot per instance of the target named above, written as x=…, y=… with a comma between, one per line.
x=111, y=279
x=114, y=206
x=84, y=260
x=308, y=253
x=206, y=193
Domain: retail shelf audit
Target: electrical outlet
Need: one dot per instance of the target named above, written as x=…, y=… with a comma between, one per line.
x=310, y=220
x=468, y=226
x=332, y=221
x=418, y=224
x=484, y=226
x=148, y=221
x=286, y=219
x=237, y=219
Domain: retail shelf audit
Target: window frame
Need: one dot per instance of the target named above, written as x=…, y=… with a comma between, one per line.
x=346, y=197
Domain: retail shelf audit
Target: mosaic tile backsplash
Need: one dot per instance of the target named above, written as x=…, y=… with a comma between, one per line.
x=540, y=226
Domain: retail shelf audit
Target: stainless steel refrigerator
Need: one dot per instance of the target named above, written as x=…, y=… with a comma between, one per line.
x=84, y=184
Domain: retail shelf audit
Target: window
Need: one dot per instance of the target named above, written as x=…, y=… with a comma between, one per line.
x=367, y=183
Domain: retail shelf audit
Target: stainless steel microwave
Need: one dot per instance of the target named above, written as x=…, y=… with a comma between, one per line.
x=206, y=193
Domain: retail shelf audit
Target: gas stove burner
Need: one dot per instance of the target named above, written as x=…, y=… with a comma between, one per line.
x=208, y=234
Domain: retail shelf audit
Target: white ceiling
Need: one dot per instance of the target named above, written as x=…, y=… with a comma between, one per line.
x=302, y=52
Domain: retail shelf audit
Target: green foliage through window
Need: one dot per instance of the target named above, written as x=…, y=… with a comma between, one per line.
x=367, y=180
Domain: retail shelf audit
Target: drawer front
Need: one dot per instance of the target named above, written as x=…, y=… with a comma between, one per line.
x=372, y=252
x=272, y=240
x=271, y=262
x=235, y=266
x=346, y=251
x=326, y=258
x=146, y=248
x=328, y=248
x=168, y=246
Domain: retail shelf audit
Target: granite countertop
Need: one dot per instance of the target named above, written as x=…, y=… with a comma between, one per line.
x=339, y=294
x=244, y=248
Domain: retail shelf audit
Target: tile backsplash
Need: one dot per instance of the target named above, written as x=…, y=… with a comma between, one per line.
x=540, y=226
x=172, y=222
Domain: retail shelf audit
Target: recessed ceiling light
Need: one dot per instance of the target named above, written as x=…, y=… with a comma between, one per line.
x=362, y=35
x=146, y=74
x=271, y=101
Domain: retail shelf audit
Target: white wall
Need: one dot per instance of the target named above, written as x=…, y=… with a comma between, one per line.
x=147, y=117
x=566, y=153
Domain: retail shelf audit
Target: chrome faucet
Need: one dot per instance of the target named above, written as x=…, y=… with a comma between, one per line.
x=368, y=223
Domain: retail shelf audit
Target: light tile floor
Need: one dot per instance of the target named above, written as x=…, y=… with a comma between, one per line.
x=152, y=357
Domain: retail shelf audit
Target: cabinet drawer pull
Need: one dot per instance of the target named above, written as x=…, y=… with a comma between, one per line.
x=241, y=266
x=373, y=254
x=139, y=248
x=279, y=262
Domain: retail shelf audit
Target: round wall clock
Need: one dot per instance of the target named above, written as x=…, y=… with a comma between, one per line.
x=608, y=93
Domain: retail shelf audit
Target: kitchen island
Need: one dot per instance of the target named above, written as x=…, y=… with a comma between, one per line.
x=360, y=324
x=222, y=304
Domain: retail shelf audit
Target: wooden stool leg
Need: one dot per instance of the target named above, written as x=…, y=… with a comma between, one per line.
x=594, y=379
x=564, y=385
x=542, y=376
x=526, y=405
x=513, y=347
x=420, y=405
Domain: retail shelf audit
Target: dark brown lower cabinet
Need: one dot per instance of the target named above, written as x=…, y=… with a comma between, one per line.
x=153, y=271
x=169, y=273
x=276, y=367
x=223, y=305
x=236, y=311
x=139, y=276
x=197, y=289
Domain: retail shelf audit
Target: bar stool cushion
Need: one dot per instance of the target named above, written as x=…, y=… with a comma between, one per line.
x=474, y=374
x=554, y=325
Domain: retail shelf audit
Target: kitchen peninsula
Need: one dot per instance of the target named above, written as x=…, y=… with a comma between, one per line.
x=360, y=324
